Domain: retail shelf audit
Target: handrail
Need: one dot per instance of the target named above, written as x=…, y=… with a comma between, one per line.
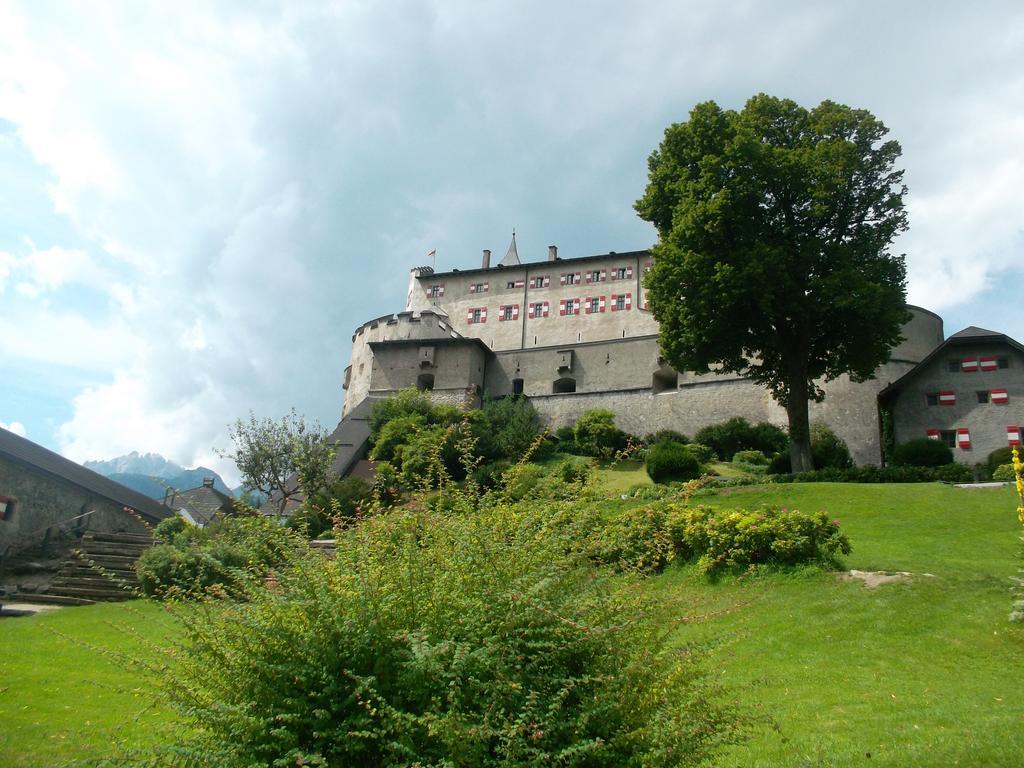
x=45, y=529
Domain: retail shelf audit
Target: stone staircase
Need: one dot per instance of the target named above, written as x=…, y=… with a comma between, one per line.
x=101, y=569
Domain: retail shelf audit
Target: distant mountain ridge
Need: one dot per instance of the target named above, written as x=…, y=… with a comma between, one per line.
x=152, y=475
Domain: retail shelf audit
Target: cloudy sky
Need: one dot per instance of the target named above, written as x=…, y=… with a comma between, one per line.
x=199, y=202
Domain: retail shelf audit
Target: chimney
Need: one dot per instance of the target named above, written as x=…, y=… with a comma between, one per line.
x=207, y=482
x=487, y=259
x=552, y=253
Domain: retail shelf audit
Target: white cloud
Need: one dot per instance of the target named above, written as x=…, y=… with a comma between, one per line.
x=15, y=426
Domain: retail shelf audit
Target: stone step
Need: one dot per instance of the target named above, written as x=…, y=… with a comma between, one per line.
x=85, y=571
x=50, y=599
x=112, y=548
x=113, y=562
x=98, y=582
x=121, y=538
x=92, y=593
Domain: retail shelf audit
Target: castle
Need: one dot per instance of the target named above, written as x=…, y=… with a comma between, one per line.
x=575, y=334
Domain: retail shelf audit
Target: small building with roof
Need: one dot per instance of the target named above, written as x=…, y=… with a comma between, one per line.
x=201, y=505
x=968, y=393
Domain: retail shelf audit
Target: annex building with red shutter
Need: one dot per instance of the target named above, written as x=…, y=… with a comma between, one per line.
x=574, y=334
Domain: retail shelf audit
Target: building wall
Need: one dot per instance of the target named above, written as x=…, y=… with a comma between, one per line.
x=986, y=422
x=458, y=300
x=458, y=370
x=43, y=500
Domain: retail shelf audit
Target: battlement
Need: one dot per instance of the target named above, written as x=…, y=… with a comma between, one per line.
x=426, y=324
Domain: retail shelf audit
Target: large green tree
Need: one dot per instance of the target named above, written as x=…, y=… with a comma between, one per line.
x=774, y=226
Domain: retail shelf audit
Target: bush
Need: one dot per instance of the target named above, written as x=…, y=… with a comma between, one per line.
x=738, y=434
x=1004, y=474
x=726, y=539
x=671, y=461
x=1001, y=456
x=222, y=558
x=339, y=503
x=395, y=435
x=666, y=436
x=595, y=434
x=489, y=476
x=780, y=464
x=168, y=529
x=922, y=452
x=749, y=457
x=703, y=452
x=948, y=473
x=512, y=425
x=407, y=402
x=828, y=449
x=406, y=651
x=566, y=440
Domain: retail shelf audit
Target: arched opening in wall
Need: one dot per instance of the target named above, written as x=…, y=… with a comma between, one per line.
x=517, y=386
x=425, y=382
x=564, y=385
x=664, y=380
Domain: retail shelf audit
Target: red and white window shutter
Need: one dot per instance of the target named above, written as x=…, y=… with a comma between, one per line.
x=515, y=311
x=963, y=438
x=545, y=310
x=629, y=298
x=1000, y=396
x=512, y=310
x=947, y=398
x=1013, y=435
x=600, y=305
x=561, y=306
x=629, y=272
x=969, y=364
x=988, y=363
x=540, y=282
x=934, y=434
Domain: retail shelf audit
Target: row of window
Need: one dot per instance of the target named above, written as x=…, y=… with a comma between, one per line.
x=620, y=302
x=544, y=281
x=961, y=436
x=948, y=397
x=975, y=364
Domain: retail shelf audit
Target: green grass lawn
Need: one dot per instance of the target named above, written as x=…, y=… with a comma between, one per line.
x=926, y=673
x=66, y=688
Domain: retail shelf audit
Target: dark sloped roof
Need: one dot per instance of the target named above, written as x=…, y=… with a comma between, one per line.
x=971, y=335
x=36, y=457
x=203, y=503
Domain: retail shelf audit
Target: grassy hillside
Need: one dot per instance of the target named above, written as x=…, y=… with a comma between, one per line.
x=923, y=673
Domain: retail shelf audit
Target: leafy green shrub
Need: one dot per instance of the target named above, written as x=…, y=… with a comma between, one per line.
x=489, y=476
x=511, y=424
x=738, y=434
x=407, y=402
x=169, y=528
x=339, y=503
x=666, y=436
x=637, y=540
x=395, y=435
x=1004, y=474
x=922, y=452
x=442, y=640
x=725, y=539
x=595, y=434
x=780, y=464
x=223, y=557
x=671, y=461
x=749, y=457
x=949, y=473
x=828, y=449
x=999, y=457
x=704, y=453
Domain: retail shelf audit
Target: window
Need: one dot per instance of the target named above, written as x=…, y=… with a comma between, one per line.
x=570, y=278
x=425, y=382
x=508, y=312
x=435, y=291
x=1003, y=362
x=476, y=315
x=982, y=396
x=948, y=437
x=596, y=276
x=932, y=398
x=478, y=287
x=517, y=386
x=620, y=273
x=665, y=380
x=593, y=305
x=510, y=284
x=563, y=386
x=953, y=366
x=621, y=302
x=538, y=309
x=540, y=282
x=6, y=508
x=569, y=307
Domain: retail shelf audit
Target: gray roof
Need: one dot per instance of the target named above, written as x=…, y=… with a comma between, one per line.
x=511, y=258
x=203, y=503
x=968, y=336
x=546, y=263
x=40, y=459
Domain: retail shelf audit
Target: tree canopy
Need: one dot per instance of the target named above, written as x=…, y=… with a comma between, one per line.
x=774, y=226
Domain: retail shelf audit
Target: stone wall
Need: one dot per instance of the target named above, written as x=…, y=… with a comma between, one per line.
x=43, y=500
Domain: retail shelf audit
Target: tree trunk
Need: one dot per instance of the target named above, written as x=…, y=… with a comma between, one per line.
x=799, y=427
